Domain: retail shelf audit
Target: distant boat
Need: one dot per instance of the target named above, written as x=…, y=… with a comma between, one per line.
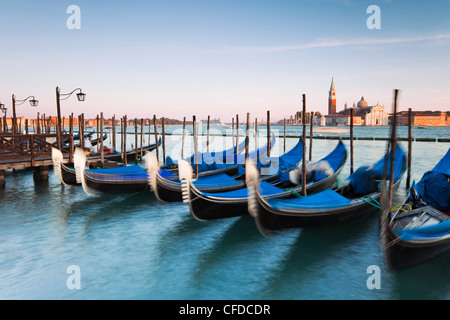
x=422, y=127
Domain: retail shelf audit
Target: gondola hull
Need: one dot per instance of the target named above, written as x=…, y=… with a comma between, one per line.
x=269, y=219
x=118, y=186
x=68, y=175
x=402, y=254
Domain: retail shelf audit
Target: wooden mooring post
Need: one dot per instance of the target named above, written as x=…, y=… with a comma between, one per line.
x=304, y=147
x=155, y=129
x=311, y=134
x=408, y=177
x=268, y=133
x=351, y=141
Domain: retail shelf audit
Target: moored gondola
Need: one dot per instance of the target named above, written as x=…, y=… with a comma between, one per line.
x=419, y=229
x=112, y=159
x=126, y=179
x=218, y=177
x=358, y=197
x=320, y=175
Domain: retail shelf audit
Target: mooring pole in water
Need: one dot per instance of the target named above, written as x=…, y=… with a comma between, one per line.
x=237, y=132
x=82, y=131
x=150, y=131
x=155, y=129
x=207, y=134
x=194, y=128
x=284, y=136
x=232, y=132
x=183, y=137
x=255, y=131
x=268, y=133
x=98, y=141
x=113, y=125
x=247, y=136
x=38, y=129
x=141, y=140
x=408, y=177
x=351, y=141
x=135, y=141
x=121, y=140
x=163, y=120
x=311, y=134
x=102, y=153
x=393, y=148
x=71, y=139
x=304, y=148
x=125, y=139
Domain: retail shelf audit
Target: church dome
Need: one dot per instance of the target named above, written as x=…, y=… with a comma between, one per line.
x=362, y=103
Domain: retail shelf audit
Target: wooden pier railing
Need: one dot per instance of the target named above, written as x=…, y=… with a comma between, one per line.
x=30, y=150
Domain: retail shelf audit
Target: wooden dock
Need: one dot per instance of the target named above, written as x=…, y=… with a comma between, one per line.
x=19, y=151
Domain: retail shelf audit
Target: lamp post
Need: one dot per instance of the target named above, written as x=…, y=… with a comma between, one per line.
x=33, y=103
x=64, y=96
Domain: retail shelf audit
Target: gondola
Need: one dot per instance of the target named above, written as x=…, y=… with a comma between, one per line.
x=66, y=171
x=320, y=175
x=218, y=177
x=359, y=196
x=126, y=179
x=419, y=229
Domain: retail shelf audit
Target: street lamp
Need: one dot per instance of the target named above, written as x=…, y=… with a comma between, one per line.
x=33, y=103
x=64, y=96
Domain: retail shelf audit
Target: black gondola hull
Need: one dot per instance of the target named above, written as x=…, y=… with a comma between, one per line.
x=402, y=255
x=118, y=186
x=204, y=209
x=68, y=174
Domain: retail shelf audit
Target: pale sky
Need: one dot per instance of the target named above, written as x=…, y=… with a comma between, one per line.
x=176, y=58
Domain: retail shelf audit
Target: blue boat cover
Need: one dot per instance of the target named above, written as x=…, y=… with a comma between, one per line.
x=444, y=165
x=428, y=232
x=334, y=159
x=287, y=161
x=327, y=199
x=266, y=189
x=434, y=187
x=216, y=180
x=290, y=159
x=364, y=179
x=129, y=173
x=128, y=170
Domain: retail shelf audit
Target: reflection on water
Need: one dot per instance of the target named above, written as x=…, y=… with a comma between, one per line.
x=132, y=247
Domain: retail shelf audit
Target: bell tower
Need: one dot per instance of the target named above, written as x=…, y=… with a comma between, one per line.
x=332, y=99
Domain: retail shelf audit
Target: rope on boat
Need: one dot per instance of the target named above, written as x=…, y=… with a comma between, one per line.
x=368, y=198
x=298, y=195
x=398, y=208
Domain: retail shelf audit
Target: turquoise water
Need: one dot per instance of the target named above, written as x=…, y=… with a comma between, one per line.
x=132, y=247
